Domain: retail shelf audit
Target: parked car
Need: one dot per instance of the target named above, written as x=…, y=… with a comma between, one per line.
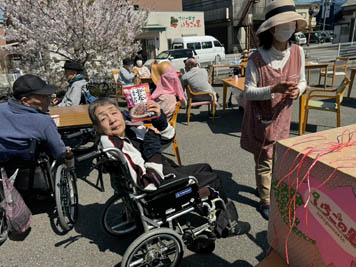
x=327, y=36
x=207, y=47
x=315, y=37
x=299, y=38
x=175, y=56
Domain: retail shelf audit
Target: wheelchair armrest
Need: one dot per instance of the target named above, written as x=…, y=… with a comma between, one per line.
x=170, y=184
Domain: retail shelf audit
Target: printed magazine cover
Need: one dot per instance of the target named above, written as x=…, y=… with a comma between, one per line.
x=136, y=99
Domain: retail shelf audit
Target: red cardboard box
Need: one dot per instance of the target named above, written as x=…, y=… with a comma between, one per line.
x=316, y=226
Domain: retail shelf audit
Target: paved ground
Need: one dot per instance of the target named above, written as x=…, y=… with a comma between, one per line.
x=202, y=141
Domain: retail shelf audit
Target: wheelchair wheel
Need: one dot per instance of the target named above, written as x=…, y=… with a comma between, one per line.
x=115, y=220
x=159, y=247
x=66, y=194
x=3, y=226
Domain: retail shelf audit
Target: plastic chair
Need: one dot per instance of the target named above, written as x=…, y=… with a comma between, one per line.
x=172, y=122
x=191, y=104
x=323, y=104
x=339, y=69
x=118, y=87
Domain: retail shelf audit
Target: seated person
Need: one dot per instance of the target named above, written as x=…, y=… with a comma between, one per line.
x=127, y=75
x=25, y=117
x=142, y=149
x=141, y=70
x=168, y=87
x=198, y=79
x=73, y=73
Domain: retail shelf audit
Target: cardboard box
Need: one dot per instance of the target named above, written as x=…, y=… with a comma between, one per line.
x=324, y=228
x=272, y=260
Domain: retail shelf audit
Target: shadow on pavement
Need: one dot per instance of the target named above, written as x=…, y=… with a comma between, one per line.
x=261, y=241
x=228, y=123
x=89, y=227
x=233, y=189
x=202, y=260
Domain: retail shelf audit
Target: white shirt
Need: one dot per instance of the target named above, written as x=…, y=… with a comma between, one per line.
x=277, y=60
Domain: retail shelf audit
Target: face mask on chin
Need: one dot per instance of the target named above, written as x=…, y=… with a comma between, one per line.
x=284, y=32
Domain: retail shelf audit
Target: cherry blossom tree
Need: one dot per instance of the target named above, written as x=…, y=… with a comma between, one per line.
x=97, y=33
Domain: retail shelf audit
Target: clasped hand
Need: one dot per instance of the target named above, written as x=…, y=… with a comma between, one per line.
x=288, y=88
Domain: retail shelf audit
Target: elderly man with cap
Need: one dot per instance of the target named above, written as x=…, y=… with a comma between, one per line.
x=274, y=78
x=73, y=73
x=198, y=79
x=25, y=117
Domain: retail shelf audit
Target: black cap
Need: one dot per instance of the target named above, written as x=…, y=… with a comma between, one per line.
x=73, y=65
x=127, y=61
x=31, y=85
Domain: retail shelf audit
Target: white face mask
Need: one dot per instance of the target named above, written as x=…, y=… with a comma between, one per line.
x=139, y=63
x=284, y=32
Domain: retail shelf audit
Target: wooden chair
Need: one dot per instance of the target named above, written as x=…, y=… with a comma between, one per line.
x=322, y=104
x=191, y=104
x=118, y=86
x=173, y=123
x=339, y=69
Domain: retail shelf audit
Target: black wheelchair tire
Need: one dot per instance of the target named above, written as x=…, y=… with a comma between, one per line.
x=66, y=195
x=3, y=226
x=146, y=241
x=108, y=209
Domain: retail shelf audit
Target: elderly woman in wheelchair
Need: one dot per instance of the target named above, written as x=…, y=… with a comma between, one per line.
x=153, y=194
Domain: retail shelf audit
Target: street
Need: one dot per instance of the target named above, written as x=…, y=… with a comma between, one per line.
x=202, y=141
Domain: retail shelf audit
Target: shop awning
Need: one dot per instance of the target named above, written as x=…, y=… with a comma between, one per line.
x=155, y=28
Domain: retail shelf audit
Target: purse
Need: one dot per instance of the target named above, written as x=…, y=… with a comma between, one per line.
x=18, y=215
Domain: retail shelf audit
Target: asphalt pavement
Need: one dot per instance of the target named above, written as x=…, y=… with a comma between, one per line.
x=202, y=141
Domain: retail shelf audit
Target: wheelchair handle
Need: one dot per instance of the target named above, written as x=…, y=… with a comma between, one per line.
x=90, y=155
x=79, y=133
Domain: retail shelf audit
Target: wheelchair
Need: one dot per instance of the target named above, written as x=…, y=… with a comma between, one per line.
x=157, y=215
x=59, y=181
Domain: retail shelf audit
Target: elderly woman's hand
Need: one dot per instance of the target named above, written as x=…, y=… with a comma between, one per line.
x=153, y=106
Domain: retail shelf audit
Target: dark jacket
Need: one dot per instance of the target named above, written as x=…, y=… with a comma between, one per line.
x=142, y=150
x=20, y=123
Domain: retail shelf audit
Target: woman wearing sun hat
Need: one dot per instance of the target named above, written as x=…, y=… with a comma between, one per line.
x=274, y=78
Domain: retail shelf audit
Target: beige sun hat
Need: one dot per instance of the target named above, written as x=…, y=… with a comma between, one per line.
x=280, y=12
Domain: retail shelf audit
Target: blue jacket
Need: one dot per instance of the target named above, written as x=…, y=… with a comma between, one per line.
x=20, y=123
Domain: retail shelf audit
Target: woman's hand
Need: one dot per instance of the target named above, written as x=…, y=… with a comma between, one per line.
x=55, y=101
x=154, y=129
x=283, y=87
x=153, y=106
x=293, y=93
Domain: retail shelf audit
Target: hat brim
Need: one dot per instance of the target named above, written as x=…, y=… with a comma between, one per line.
x=154, y=73
x=46, y=90
x=76, y=69
x=282, y=18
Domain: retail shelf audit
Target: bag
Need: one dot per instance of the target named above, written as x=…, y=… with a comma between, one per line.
x=88, y=98
x=18, y=215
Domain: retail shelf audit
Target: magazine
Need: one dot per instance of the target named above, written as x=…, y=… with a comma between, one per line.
x=136, y=99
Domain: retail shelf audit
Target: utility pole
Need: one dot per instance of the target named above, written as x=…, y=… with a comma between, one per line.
x=326, y=11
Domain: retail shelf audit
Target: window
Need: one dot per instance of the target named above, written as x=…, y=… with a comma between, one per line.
x=217, y=44
x=169, y=43
x=207, y=45
x=177, y=45
x=181, y=53
x=196, y=45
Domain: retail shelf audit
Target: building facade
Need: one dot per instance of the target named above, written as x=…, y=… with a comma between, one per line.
x=223, y=20
x=167, y=21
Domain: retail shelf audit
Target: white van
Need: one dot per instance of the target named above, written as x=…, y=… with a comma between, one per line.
x=207, y=47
